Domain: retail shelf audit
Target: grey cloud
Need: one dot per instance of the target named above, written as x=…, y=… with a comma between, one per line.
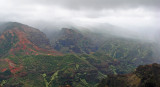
x=94, y=4
x=128, y=13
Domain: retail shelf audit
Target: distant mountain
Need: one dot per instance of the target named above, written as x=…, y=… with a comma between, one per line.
x=19, y=38
x=73, y=41
x=144, y=76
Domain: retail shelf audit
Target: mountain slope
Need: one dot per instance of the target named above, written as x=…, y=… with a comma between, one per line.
x=73, y=41
x=26, y=54
x=16, y=38
x=144, y=76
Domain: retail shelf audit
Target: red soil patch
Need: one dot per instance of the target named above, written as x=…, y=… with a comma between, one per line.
x=3, y=70
x=27, y=46
x=2, y=37
x=12, y=66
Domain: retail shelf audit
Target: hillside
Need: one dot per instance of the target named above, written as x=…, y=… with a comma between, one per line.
x=116, y=51
x=144, y=76
x=16, y=38
x=74, y=58
x=73, y=41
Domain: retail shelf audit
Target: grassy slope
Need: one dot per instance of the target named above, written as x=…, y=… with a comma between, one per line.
x=34, y=66
x=114, y=57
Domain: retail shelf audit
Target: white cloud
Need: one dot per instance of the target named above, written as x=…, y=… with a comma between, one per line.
x=125, y=13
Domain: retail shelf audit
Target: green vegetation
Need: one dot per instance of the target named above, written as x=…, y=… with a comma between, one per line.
x=84, y=70
x=53, y=77
x=81, y=70
x=73, y=41
x=85, y=61
x=2, y=83
x=72, y=69
x=7, y=43
x=144, y=76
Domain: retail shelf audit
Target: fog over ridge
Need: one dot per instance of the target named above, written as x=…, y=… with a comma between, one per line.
x=141, y=17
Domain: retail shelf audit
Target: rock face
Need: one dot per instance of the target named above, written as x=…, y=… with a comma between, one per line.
x=18, y=38
x=73, y=41
x=144, y=76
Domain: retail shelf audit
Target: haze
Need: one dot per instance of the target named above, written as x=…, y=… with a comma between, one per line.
x=141, y=16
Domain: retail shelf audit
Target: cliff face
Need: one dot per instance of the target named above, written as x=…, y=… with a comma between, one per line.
x=144, y=76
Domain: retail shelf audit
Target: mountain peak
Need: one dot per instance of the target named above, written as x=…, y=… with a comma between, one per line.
x=69, y=31
x=72, y=40
x=24, y=38
x=12, y=25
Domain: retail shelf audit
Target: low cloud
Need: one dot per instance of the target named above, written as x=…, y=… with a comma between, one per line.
x=134, y=15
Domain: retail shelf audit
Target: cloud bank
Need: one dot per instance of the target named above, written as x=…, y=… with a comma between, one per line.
x=130, y=14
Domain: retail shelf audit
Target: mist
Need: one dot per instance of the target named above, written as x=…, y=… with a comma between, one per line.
x=126, y=18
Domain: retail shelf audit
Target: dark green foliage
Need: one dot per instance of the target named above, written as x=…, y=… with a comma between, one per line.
x=149, y=74
x=125, y=54
x=113, y=81
x=72, y=69
x=7, y=43
x=89, y=68
x=144, y=76
x=73, y=41
x=5, y=75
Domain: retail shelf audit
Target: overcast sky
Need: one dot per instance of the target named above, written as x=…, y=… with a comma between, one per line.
x=134, y=14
